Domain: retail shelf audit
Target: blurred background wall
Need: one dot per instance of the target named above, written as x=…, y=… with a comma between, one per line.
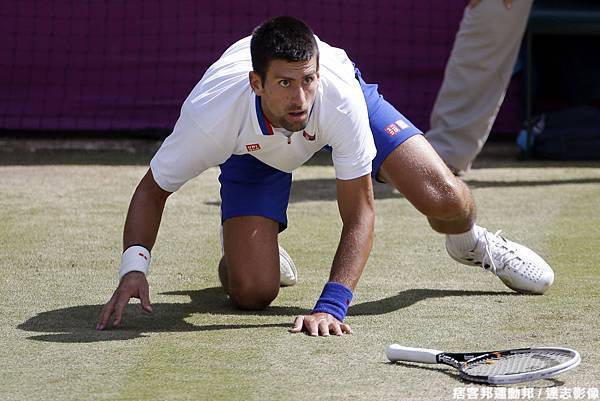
x=127, y=65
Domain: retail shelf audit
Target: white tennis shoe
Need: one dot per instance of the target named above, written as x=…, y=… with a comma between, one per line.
x=288, y=274
x=520, y=268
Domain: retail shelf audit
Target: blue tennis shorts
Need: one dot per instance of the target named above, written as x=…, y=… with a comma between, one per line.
x=390, y=128
x=250, y=187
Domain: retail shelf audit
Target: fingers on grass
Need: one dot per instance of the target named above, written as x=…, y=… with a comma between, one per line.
x=120, y=307
x=324, y=328
x=298, y=324
x=313, y=328
x=104, y=317
x=145, y=300
x=106, y=313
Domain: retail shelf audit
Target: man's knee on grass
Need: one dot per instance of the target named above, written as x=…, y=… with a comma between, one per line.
x=250, y=292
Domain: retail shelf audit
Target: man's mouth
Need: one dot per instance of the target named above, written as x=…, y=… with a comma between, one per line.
x=297, y=114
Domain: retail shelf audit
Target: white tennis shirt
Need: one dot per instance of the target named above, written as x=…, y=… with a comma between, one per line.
x=220, y=118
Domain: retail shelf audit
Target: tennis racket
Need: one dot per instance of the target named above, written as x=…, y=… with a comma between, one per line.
x=495, y=367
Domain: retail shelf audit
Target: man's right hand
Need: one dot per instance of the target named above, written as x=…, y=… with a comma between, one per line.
x=133, y=285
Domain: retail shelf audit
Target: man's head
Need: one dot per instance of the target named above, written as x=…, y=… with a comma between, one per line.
x=285, y=59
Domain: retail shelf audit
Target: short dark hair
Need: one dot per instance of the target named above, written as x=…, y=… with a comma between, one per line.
x=284, y=38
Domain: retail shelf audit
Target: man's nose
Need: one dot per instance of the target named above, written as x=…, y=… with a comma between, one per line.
x=298, y=96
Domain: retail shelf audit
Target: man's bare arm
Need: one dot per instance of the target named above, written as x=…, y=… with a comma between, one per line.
x=357, y=210
x=141, y=228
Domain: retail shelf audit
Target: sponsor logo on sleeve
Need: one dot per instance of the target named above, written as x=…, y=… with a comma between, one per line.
x=392, y=129
x=402, y=124
x=252, y=147
x=396, y=127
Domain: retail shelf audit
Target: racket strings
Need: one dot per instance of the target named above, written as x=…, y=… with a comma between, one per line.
x=508, y=364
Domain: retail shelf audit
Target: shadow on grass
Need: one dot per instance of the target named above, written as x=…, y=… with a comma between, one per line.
x=453, y=373
x=76, y=324
x=136, y=148
x=325, y=189
x=76, y=157
x=520, y=183
x=408, y=298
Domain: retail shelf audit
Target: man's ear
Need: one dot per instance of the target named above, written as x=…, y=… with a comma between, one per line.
x=256, y=83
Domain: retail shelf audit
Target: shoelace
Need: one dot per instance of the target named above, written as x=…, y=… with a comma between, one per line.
x=504, y=255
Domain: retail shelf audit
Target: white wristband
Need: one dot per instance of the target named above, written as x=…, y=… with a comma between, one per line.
x=135, y=258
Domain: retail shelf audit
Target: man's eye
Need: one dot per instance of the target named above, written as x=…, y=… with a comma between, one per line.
x=308, y=80
x=284, y=83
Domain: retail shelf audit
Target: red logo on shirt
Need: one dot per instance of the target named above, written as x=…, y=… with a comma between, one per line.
x=252, y=147
x=392, y=129
x=308, y=136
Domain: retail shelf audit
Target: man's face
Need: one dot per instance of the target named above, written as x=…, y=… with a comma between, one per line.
x=288, y=92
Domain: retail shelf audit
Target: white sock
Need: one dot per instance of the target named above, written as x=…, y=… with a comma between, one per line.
x=465, y=242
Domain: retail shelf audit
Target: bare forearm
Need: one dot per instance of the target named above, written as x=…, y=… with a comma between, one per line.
x=357, y=210
x=144, y=214
x=353, y=251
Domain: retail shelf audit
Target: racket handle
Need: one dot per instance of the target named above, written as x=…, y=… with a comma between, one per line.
x=397, y=352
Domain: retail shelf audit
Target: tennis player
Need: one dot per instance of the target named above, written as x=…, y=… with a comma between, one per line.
x=263, y=109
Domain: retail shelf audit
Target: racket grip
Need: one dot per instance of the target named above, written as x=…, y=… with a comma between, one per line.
x=397, y=352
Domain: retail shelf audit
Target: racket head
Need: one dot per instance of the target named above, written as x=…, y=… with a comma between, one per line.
x=519, y=365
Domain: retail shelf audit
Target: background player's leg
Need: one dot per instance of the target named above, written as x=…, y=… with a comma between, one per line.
x=475, y=80
x=249, y=269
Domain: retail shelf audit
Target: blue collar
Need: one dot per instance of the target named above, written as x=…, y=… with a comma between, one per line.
x=264, y=124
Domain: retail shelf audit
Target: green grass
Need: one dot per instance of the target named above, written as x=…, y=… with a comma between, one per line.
x=60, y=236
